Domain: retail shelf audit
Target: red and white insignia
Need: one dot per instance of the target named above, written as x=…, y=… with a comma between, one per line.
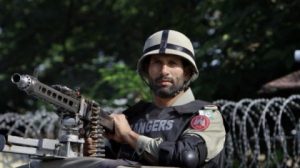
x=200, y=122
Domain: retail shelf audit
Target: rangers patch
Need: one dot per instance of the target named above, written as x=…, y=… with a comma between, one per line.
x=200, y=122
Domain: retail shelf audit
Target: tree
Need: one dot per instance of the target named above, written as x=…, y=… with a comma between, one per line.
x=248, y=43
x=240, y=44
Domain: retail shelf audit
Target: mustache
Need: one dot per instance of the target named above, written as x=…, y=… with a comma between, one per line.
x=164, y=78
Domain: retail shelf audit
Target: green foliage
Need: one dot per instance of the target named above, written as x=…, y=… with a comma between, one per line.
x=120, y=82
x=252, y=41
x=240, y=45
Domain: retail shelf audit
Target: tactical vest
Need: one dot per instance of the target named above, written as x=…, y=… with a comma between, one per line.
x=167, y=123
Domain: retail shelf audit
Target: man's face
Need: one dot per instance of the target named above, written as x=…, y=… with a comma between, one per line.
x=166, y=75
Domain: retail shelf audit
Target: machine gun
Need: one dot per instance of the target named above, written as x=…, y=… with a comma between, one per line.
x=79, y=118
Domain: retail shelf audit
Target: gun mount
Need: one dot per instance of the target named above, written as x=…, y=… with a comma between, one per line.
x=80, y=118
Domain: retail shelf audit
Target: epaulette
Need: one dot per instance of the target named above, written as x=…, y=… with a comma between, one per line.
x=210, y=107
x=194, y=107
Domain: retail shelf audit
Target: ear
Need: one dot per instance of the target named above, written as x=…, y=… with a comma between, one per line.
x=188, y=72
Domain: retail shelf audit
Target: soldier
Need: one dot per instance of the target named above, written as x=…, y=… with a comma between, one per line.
x=175, y=129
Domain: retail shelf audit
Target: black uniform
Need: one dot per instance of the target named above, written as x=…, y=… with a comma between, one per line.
x=169, y=124
x=177, y=148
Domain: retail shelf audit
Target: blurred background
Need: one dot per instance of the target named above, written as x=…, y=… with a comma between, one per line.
x=247, y=52
x=94, y=45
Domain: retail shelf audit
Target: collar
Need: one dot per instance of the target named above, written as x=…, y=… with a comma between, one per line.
x=185, y=98
x=186, y=103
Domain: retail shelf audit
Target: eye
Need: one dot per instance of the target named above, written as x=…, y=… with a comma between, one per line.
x=173, y=63
x=155, y=61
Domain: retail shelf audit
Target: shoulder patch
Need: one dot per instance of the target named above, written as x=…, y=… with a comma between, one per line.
x=208, y=113
x=200, y=122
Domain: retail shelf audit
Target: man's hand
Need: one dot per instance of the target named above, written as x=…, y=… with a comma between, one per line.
x=89, y=147
x=123, y=132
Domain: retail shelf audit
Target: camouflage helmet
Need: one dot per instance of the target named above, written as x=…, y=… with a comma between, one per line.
x=168, y=42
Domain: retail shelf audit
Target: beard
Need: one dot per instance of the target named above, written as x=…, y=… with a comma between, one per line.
x=166, y=91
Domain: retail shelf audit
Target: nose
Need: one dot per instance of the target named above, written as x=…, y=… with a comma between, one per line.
x=164, y=69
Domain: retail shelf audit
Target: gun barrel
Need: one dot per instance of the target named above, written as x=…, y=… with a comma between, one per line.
x=86, y=112
x=33, y=87
x=22, y=81
x=15, y=78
